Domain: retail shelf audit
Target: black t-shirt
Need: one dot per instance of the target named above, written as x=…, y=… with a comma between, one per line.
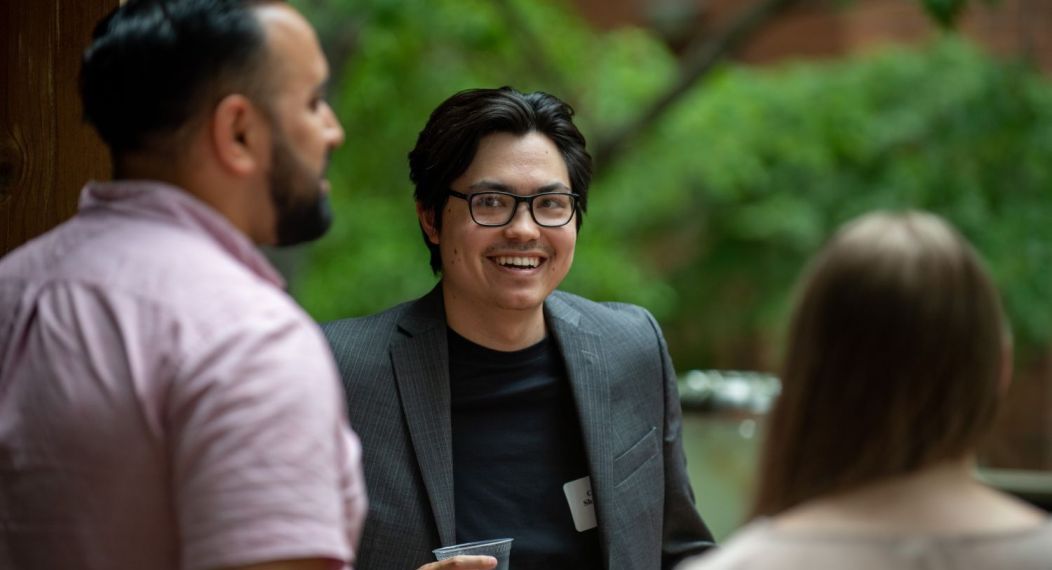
x=516, y=442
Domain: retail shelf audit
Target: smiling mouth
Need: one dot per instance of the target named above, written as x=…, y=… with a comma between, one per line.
x=516, y=262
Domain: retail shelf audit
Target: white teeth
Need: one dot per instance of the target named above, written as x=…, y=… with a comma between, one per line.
x=518, y=261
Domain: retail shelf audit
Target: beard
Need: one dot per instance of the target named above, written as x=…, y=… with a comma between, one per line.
x=301, y=205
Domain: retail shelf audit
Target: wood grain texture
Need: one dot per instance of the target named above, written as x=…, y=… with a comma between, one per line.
x=46, y=150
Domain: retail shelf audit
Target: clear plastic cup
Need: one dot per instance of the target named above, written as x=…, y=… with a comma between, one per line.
x=499, y=548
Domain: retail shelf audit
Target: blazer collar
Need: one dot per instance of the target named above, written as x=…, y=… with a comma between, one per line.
x=426, y=313
x=421, y=363
x=588, y=373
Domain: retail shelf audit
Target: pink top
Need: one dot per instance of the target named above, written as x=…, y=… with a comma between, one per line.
x=163, y=403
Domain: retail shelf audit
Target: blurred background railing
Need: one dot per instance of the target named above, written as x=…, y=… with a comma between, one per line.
x=723, y=413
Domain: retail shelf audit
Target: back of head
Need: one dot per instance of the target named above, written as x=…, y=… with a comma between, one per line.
x=447, y=144
x=893, y=361
x=154, y=66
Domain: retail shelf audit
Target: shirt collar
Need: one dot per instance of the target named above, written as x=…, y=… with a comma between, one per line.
x=168, y=204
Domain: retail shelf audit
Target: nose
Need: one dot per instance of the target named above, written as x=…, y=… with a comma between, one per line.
x=334, y=131
x=522, y=227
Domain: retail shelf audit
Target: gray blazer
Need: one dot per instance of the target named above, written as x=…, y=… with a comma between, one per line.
x=395, y=367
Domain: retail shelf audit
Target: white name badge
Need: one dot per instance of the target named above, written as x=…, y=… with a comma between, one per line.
x=582, y=505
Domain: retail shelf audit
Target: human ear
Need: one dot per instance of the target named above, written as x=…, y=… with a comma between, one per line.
x=239, y=134
x=427, y=223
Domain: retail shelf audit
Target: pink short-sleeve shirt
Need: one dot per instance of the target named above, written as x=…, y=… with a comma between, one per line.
x=163, y=403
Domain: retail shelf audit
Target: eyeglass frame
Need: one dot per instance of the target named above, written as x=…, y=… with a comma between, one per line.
x=519, y=198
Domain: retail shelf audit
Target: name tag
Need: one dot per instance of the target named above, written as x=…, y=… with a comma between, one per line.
x=582, y=505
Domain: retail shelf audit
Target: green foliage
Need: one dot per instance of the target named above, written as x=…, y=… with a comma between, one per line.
x=756, y=169
x=708, y=218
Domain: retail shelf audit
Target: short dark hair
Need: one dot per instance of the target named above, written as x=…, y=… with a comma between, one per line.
x=893, y=361
x=448, y=143
x=153, y=65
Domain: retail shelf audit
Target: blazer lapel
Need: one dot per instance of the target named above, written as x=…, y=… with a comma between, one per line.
x=586, y=369
x=421, y=364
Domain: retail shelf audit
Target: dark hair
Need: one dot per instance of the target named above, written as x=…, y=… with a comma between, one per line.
x=153, y=65
x=893, y=362
x=447, y=144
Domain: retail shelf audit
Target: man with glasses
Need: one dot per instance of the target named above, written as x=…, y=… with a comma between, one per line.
x=496, y=406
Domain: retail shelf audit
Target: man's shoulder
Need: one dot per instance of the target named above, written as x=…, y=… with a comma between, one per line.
x=603, y=313
x=353, y=331
x=131, y=255
x=361, y=345
x=136, y=261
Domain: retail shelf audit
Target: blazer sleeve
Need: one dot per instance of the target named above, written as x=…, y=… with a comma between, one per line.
x=685, y=533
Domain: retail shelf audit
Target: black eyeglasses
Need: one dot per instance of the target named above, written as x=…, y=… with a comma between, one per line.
x=494, y=209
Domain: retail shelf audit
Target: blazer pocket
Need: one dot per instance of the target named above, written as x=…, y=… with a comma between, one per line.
x=638, y=454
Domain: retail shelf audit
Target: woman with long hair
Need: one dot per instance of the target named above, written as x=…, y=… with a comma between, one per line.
x=896, y=358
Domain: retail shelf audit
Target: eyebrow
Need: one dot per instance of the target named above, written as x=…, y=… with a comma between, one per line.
x=483, y=185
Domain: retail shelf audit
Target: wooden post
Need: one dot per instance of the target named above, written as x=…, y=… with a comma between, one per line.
x=47, y=152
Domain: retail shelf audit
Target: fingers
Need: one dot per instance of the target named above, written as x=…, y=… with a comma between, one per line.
x=463, y=563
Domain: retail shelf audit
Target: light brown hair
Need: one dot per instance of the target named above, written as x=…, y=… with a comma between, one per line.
x=893, y=360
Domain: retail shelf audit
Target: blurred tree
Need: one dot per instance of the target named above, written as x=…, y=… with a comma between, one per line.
x=708, y=200
x=947, y=12
x=754, y=172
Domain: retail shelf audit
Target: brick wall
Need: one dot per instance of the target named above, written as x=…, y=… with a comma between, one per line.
x=826, y=28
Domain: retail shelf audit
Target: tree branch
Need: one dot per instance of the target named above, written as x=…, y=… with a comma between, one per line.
x=697, y=63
